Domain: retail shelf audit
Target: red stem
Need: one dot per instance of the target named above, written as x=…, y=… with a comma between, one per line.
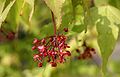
x=54, y=24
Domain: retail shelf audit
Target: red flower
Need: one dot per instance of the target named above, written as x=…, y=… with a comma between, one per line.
x=66, y=29
x=11, y=36
x=53, y=48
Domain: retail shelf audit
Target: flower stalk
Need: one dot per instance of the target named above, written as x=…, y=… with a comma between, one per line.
x=54, y=23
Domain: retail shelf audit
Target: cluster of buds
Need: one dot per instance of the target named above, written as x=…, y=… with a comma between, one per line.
x=51, y=49
x=9, y=35
x=87, y=54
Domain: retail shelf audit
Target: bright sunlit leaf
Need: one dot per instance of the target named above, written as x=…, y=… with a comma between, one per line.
x=56, y=7
x=106, y=18
x=6, y=11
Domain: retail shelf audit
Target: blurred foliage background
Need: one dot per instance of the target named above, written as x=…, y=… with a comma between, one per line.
x=16, y=56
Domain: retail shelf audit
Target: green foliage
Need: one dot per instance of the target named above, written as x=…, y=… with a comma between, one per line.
x=106, y=41
x=107, y=29
x=31, y=3
x=2, y=3
x=56, y=6
x=3, y=14
x=115, y=3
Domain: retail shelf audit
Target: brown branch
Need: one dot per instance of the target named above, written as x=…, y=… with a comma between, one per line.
x=54, y=23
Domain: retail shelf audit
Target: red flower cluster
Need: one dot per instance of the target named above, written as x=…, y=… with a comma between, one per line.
x=9, y=35
x=87, y=52
x=52, y=49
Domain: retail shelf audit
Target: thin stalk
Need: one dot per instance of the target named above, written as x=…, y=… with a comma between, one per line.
x=21, y=11
x=54, y=23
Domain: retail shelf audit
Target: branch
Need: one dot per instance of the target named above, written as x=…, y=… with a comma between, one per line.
x=54, y=23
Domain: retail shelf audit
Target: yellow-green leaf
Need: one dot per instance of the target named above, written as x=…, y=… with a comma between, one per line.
x=2, y=3
x=31, y=3
x=106, y=18
x=6, y=11
x=56, y=7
